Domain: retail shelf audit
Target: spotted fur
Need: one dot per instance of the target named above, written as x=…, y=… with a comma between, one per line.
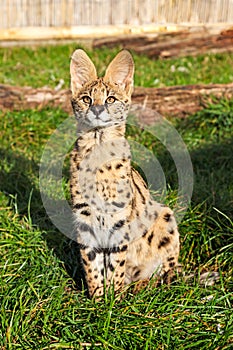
x=124, y=236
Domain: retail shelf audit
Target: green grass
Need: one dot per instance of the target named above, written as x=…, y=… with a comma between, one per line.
x=42, y=306
x=47, y=65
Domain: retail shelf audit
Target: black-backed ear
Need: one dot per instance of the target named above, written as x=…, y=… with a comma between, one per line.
x=82, y=70
x=121, y=70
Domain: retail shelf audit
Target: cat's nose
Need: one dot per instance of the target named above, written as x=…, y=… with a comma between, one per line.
x=97, y=109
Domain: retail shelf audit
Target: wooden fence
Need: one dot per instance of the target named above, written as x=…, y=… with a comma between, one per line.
x=71, y=13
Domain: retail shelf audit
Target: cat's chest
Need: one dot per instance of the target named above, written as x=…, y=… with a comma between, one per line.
x=102, y=229
x=102, y=192
x=100, y=174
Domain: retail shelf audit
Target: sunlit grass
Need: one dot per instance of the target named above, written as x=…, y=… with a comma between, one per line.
x=42, y=66
x=42, y=305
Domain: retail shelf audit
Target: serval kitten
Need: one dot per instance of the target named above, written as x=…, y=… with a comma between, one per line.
x=124, y=236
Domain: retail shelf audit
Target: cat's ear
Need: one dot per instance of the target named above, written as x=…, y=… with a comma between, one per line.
x=82, y=70
x=121, y=70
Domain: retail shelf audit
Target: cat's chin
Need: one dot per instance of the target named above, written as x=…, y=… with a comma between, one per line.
x=88, y=127
x=100, y=124
x=102, y=121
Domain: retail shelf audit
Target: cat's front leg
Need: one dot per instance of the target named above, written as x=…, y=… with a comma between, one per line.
x=104, y=268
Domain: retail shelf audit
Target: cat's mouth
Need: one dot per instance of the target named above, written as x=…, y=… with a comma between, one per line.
x=99, y=120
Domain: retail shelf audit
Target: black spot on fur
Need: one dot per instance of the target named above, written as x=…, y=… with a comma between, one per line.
x=113, y=250
x=167, y=217
x=172, y=264
x=126, y=236
x=171, y=232
x=82, y=246
x=85, y=262
x=85, y=212
x=139, y=191
x=119, y=165
x=80, y=205
x=118, y=205
x=118, y=225
x=144, y=233
x=164, y=241
x=102, y=272
x=124, y=248
x=122, y=263
x=137, y=273
x=171, y=258
x=91, y=255
x=111, y=267
x=122, y=274
x=150, y=237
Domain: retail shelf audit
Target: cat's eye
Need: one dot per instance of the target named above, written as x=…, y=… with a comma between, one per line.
x=110, y=99
x=86, y=99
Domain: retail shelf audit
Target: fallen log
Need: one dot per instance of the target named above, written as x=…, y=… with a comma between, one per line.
x=177, y=44
x=180, y=101
x=169, y=101
x=21, y=98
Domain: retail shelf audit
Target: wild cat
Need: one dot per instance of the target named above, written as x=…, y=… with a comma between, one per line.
x=124, y=236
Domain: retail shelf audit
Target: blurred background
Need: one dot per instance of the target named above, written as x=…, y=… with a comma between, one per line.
x=73, y=13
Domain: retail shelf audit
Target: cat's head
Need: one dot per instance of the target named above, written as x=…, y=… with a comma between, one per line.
x=101, y=102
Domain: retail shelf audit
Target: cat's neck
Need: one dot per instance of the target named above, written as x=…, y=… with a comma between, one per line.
x=102, y=135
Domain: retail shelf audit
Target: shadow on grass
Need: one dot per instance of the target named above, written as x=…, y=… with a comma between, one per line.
x=212, y=164
x=213, y=169
x=19, y=183
x=213, y=175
